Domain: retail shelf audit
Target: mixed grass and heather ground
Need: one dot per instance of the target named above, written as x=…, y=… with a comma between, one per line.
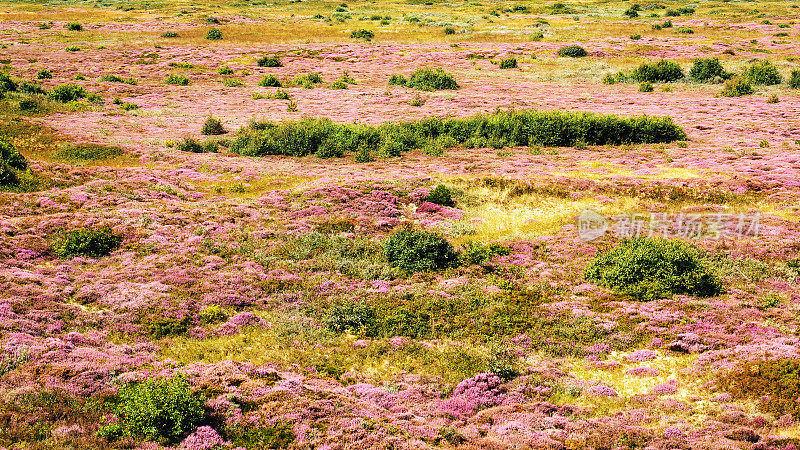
x=308, y=224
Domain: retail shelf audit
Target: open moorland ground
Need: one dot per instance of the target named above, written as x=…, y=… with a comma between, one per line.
x=192, y=255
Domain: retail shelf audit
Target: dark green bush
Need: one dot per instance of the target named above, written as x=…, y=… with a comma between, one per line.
x=94, y=243
x=6, y=83
x=572, y=51
x=118, y=79
x=645, y=86
x=440, y=196
x=508, y=63
x=86, y=153
x=269, y=61
x=352, y=317
x=190, y=145
x=74, y=26
x=367, y=35
x=419, y=251
x=177, y=78
x=662, y=71
x=762, y=73
x=68, y=93
x=44, y=74
x=163, y=410
x=649, y=269
x=397, y=80
x=27, y=87
x=169, y=34
x=775, y=384
x=478, y=253
x=427, y=79
x=631, y=13
x=504, y=128
x=12, y=157
x=794, y=79
x=736, y=87
x=449, y=30
x=708, y=69
x=269, y=81
x=213, y=127
x=214, y=34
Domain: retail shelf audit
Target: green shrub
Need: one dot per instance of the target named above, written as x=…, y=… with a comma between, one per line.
x=212, y=127
x=118, y=79
x=6, y=83
x=662, y=71
x=232, y=82
x=572, y=51
x=367, y=35
x=225, y=70
x=74, y=26
x=11, y=156
x=631, y=13
x=279, y=435
x=170, y=34
x=478, y=253
x=44, y=74
x=428, y=79
x=794, y=79
x=94, y=243
x=27, y=87
x=397, y=80
x=269, y=61
x=508, y=63
x=269, y=81
x=86, y=153
x=762, y=73
x=28, y=104
x=440, y=196
x=68, y=93
x=351, y=317
x=179, y=79
x=72, y=48
x=449, y=30
x=708, y=69
x=645, y=86
x=190, y=145
x=684, y=30
x=163, y=410
x=338, y=85
x=775, y=384
x=736, y=87
x=212, y=314
x=419, y=251
x=649, y=269
x=214, y=34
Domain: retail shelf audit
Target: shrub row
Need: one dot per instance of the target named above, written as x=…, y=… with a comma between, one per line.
x=326, y=138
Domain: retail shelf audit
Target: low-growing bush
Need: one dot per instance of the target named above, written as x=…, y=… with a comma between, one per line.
x=279, y=435
x=170, y=34
x=44, y=74
x=762, y=73
x=232, y=82
x=478, y=253
x=663, y=71
x=505, y=128
x=440, y=196
x=179, y=79
x=449, y=30
x=367, y=35
x=645, y=86
x=213, y=126
x=86, y=153
x=269, y=61
x=269, y=81
x=397, y=80
x=190, y=145
x=72, y=48
x=225, y=70
x=708, y=69
x=649, y=269
x=117, y=79
x=11, y=161
x=74, y=26
x=67, y=93
x=794, y=79
x=214, y=34
x=428, y=79
x=7, y=84
x=89, y=242
x=352, y=317
x=419, y=251
x=508, y=63
x=164, y=410
x=572, y=51
x=736, y=87
x=27, y=87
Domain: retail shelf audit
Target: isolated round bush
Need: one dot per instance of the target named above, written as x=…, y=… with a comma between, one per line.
x=708, y=69
x=419, y=251
x=427, y=79
x=794, y=79
x=212, y=127
x=762, y=73
x=269, y=61
x=367, y=35
x=74, y=26
x=68, y=93
x=440, y=196
x=214, y=34
x=649, y=269
x=572, y=51
x=663, y=71
x=86, y=242
x=12, y=157
x=736, y=87
x=508, y=63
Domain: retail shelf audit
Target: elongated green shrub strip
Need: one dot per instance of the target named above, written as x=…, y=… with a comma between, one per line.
x=327, y=138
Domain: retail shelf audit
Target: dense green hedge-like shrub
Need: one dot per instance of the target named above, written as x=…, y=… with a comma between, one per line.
x=269, y=81
x=504, y=128
x=212, y=127
x=177, y=78
x=214, y=34
x=662, y=71
x=762, y=73
x=708, y=69
x=6, y=83
x=11, y=161
x=86, y=153
x=419, y=251
x=163, y=410
x=572, y=51
x=427, y=79
x=118, y=79
x=269, y=61
x=794, y=79
x=169, y=34
x=68, y=93
x=508, y=63
x=736, y=87
x=74, y=26
x=646, y=86
x=449, y=30
x=440, y=196
x=649, y=269
x=367, y=35
x=775, y=384
x=44, y=74
x=397, y=80
x=94, y=243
